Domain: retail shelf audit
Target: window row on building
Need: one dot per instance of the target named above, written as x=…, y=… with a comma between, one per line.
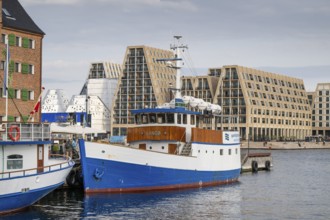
x=18, y=41
x=23, y=94
x=17, y=67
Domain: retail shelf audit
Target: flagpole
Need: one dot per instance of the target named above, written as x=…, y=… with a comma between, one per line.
x=6, y=75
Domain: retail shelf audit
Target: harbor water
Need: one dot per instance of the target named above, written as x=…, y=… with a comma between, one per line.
x=296, y=188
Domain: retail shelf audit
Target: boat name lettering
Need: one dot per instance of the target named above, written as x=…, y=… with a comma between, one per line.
x=154, y=133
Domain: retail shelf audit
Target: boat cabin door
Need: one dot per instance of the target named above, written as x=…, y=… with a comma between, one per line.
x=40, y=157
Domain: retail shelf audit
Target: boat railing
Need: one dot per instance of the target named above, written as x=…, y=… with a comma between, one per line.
x=25, y=132
x=40, y=170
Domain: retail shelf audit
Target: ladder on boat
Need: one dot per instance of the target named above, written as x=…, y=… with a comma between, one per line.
x=186, y=149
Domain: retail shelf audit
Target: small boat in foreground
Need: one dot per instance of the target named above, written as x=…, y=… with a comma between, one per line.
x=169, y=148
x=28, y=171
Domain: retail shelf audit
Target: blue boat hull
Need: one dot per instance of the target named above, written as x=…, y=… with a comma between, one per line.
x=113, y=176
x=16, y=201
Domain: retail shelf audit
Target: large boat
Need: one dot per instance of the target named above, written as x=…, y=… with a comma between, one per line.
x=169, y=148
x=28, y=171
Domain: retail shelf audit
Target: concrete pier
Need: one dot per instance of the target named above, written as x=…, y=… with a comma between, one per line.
x=283, y=145
x=253, y=162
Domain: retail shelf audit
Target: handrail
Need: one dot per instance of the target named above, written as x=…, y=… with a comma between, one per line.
x=245, y=158
x=68, y=161
x=185, y=131
x=25, y=131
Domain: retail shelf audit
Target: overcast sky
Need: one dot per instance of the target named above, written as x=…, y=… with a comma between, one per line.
x=290, y=37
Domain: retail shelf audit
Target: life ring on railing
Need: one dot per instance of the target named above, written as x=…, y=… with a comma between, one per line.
x=10, y=134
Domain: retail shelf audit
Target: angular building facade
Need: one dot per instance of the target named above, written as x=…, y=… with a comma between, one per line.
x=320, y=102
x=202, y=87
x=144, y=83
x=102, y=81
x=25, y=76
x=263, y=105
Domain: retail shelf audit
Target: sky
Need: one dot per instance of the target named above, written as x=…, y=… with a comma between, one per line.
x=290, y=37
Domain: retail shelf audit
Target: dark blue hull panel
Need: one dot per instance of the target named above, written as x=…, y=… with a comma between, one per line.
x=17, y=201
x=112, y=176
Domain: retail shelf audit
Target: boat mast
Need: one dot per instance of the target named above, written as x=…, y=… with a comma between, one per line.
x=178, y=63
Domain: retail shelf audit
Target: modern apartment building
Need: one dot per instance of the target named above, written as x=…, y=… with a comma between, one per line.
x=263, y=105
x=145, y=82
x=25, y=46
x=102, y=81
x=321, y=110
x=202, y=87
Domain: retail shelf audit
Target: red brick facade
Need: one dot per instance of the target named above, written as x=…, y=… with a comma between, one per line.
x=19, y=80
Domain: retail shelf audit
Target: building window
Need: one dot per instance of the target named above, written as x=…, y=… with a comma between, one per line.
x=221, y=151
x=229, y=151
x=32, y=44
x=3, y=38
x=17, y=67
x=18, y=41
x=14, y=161
x=31, y=69
x=17, y=93
x=2, y=65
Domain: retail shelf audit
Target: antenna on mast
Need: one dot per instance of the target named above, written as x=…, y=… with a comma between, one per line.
x=177, y=63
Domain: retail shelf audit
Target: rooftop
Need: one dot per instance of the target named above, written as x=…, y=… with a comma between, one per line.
x=14, y=16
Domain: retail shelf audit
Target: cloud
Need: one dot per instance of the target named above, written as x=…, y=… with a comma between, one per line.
x=50, y=2
x=128, y=5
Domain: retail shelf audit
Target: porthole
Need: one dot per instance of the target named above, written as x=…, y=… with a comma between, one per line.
x=150, y=147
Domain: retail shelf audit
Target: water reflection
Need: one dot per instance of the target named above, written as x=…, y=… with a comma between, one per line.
x=296, y=188
x=213, y=202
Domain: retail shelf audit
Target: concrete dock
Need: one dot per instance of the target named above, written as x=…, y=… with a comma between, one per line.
x=283, y=145
x=256, y=161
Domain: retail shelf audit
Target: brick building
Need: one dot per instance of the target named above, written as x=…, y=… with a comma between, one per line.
x=25, y=69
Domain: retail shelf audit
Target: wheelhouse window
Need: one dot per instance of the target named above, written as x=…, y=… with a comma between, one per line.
x=14, y=161
x=170, y=118
x=184, y=119
x=179, y=118
x=138, y=119
x=144, y=119
x=192, y=119
x=160, y=118
x=152, y=118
